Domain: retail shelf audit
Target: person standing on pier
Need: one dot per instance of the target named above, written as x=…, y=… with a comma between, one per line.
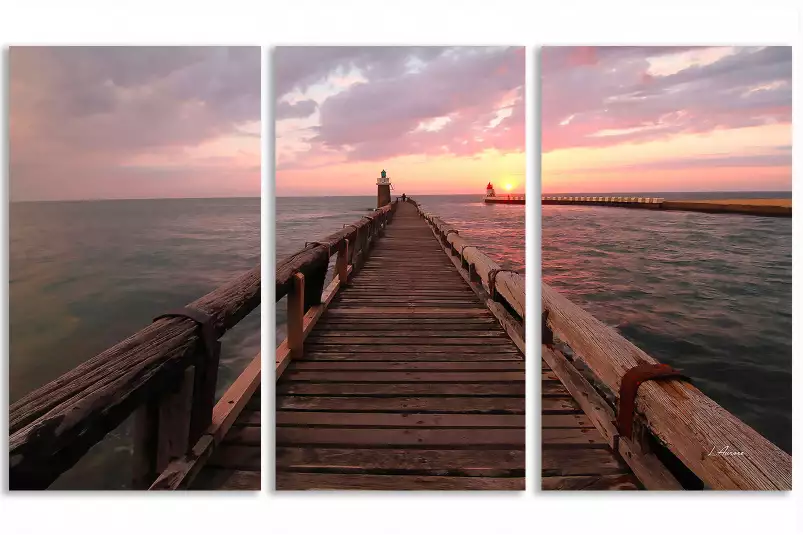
x=404, y=197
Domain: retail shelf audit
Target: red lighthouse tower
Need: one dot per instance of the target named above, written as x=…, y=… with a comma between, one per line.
x=489, y=191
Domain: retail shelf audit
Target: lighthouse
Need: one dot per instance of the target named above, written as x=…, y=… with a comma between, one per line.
x=489, y=191
x=382, y=190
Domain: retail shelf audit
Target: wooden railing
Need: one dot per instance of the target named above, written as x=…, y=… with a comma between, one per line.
x=301, y=276
x=164, y=373
x=721, y=450
x=502, y=286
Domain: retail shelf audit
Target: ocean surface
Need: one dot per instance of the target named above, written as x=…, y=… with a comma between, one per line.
x=498, y=229
x=710, y=294
x=86, y=275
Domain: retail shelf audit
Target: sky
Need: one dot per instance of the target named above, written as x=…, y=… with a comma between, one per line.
x=439, y=120
x=660, y=119
x=134, y=122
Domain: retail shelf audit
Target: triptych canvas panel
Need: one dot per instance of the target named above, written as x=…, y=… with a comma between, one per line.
x=398, y=194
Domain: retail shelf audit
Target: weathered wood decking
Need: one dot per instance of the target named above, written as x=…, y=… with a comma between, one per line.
x=574, y=455
x=407, y=381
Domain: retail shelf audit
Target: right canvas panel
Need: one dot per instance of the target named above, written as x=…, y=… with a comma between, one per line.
x=667, y=268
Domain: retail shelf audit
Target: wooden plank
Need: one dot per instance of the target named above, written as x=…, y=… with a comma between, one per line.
x=467, y=405
x=312, y=481
x=411, y=437
x=565, y=420
x=503, y=355
x=580, y=462
x=409, y=312
x=614, y=482
x=453, y=350
x=354, y=376
x=585, y=436
x=401, y=389
x=478, y=366
x=559, y=405
x=486, y=462
x=391, y=420
x=421, y=336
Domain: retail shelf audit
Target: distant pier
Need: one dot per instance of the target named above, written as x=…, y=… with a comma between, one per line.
x=505, y=199
x=760, y=207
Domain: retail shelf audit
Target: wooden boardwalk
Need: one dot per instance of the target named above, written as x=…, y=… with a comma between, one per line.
x=407, y=381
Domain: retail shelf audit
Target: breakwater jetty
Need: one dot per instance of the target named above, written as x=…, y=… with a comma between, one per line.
x=759, y=207
x=407, y=370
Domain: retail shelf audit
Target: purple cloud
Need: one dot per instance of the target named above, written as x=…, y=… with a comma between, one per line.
x=607, y=95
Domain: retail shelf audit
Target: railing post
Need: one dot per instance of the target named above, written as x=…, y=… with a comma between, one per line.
x=162, y=430
x=295, y=317
x=203, y=393
x=343, y=263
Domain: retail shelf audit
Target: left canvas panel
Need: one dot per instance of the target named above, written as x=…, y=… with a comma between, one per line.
x=134, y=281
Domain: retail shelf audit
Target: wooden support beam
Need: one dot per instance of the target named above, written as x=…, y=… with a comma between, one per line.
x=162, y=431
x=343, y=263
x=295, y=317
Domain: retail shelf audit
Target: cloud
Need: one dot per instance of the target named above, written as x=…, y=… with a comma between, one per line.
x=81, y=112
x=603, y=96
x=303, y=108
x=376, y=103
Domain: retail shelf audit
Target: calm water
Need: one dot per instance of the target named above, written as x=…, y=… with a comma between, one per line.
x=708, y=293
x=498, y=229
x=85, y=275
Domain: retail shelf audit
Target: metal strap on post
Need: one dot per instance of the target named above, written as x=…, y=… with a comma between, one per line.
x=631, y=380
x=209, y=335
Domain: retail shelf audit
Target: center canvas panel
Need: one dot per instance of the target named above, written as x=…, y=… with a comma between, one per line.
x=400, y=174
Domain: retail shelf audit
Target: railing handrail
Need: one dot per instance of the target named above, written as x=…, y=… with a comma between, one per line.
x=678, y=415
x=56, y=424
x=314, y=258
x=507, y=285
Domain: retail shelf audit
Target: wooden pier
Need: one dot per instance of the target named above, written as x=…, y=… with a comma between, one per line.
x=407, y=371
x=635, y=423
x=162, y=379
x=760, y=207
